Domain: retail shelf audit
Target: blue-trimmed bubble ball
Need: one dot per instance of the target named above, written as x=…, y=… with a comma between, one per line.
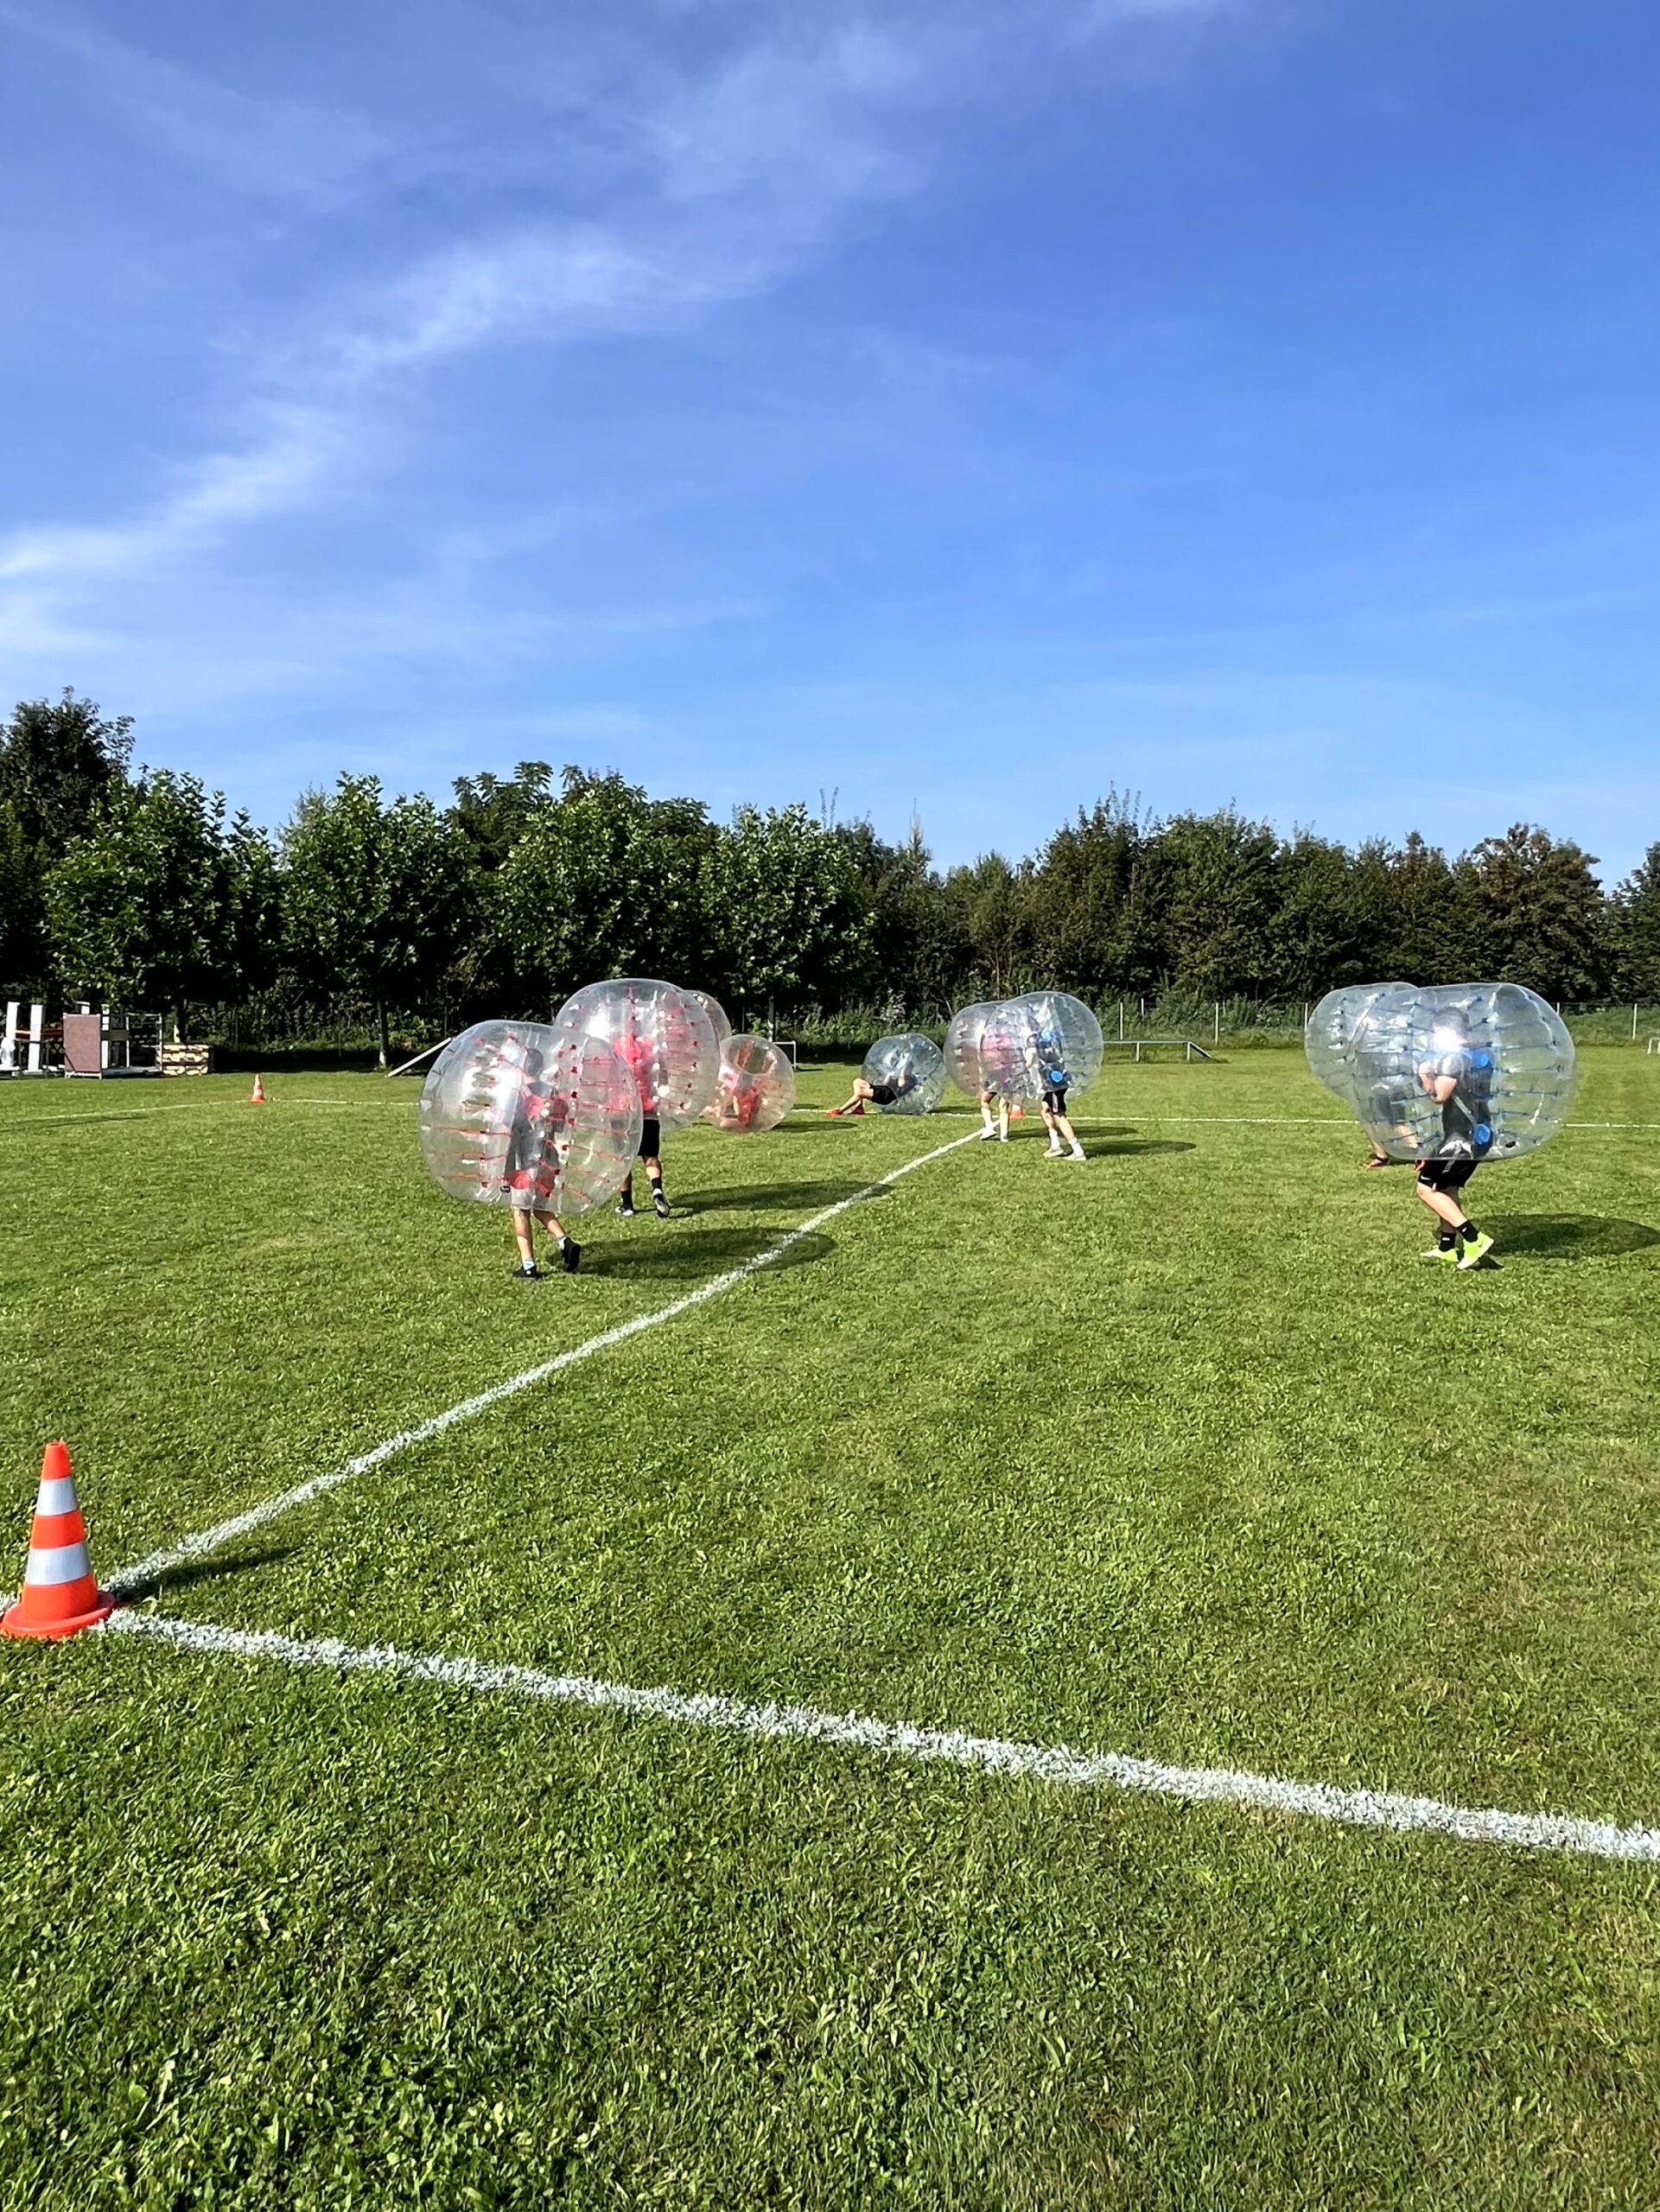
x=1505, y=1052
x=912, y=1067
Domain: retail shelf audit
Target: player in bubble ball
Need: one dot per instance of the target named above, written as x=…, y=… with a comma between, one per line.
x=875, y=1094
x=530, y=1178
x=1046, y=1056
x=1458, y=1076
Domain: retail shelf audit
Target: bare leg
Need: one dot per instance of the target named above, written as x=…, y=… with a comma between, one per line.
x=522, y=1237
x=1446, y=1205
x=1062, y=1126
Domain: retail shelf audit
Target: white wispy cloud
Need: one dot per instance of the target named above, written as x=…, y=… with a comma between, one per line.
x=728, y=177
x=278, y=471
x=274, y=147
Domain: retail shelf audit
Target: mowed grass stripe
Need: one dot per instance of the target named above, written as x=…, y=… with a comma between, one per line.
x=205, y=1541
x=1056, y=1764
x=1181, y=1453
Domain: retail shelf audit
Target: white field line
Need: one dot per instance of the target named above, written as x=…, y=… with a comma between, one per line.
x=207, y=1540
x=1055, y=1764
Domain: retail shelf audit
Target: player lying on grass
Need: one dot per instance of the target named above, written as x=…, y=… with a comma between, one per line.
x=1454, y=1077
x=875, y=1094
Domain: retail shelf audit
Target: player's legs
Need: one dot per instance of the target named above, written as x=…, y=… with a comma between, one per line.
x=1062, y=1127
x=570, y=1252
x=861, y=1091
x=1440, y=1187
x=523, y=1239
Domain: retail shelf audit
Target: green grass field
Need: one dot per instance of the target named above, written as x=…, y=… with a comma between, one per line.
x=1182, y=1455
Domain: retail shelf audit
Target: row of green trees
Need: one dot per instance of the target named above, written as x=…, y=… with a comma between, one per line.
x=143, y=890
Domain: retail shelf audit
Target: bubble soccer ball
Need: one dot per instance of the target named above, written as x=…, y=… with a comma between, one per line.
x=1505, y=1051
x=663, y=1035
x=1008, y=1053
x=719, y=1020
x=1326, y=1033
x=912, y=1067
x=1059, y=1040
x=962, y=1042
x=530, y=1114
x=756, y=1088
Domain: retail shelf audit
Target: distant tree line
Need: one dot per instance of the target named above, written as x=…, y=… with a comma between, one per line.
x=141, y=889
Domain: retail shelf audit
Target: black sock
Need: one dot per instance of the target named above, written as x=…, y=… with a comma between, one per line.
x=1449, y=1238
x=1466, y=1232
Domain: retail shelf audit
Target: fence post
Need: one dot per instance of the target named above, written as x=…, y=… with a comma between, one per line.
x=1633, y=1025
x=1121, y=1022
x=1216, y=1022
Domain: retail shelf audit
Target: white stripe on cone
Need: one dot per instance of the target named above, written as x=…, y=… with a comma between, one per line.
x=60, y=1563
x=57, y=1495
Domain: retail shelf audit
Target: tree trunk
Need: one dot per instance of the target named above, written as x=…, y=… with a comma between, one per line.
x=385, y=1037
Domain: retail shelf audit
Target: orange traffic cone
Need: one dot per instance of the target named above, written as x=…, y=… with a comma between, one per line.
x=258, y=1097
x=61, y=1591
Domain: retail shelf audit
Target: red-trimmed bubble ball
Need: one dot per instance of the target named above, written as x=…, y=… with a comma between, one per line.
x=664, y=1036
x=756, y=1088
x=719, y=1021
x=530, y=1114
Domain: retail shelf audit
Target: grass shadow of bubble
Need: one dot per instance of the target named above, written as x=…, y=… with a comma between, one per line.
x=1118, y=1151
x=694, y=1259
x=1571, y=1236
x=167, y=1580
x=759, y=1198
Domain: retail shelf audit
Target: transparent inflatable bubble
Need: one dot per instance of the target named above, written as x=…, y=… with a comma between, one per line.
x=756, y=1088
x=912, y=1067
x=719, y=1020
x=1008, y=1053
x=530, y=1114
x=1505, y=1052
x=1326, y=1033
x=1059, y=1040
x=663, y=1035
x=963, y=1041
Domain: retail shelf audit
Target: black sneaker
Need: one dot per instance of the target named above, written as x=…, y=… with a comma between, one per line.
x=528, y=1274
x=660, y=1205
x=570, y=1256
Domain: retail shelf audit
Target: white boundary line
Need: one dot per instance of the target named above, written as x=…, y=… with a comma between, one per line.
x=207, y=1540
x=1055, y=1764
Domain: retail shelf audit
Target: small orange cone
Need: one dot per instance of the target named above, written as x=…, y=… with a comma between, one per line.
x=258, y=1097
x=61, y=1591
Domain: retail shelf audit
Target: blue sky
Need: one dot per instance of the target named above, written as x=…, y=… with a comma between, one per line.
x=969, y=406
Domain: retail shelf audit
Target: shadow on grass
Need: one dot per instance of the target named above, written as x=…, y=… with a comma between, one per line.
x=1571, y=1236
x=71, y=1119
x=1136, y=1144
x=649, y=1254
x=189, y=1571
x=763, y=1197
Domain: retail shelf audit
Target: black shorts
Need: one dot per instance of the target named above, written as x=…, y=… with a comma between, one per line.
x=651, y=1138
x=1055, y=1097
x=882, y=1094
x=1447, y=1175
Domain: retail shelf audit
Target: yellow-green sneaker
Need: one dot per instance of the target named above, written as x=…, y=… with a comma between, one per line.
x=1447, y=1254
x=1473, y=1253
